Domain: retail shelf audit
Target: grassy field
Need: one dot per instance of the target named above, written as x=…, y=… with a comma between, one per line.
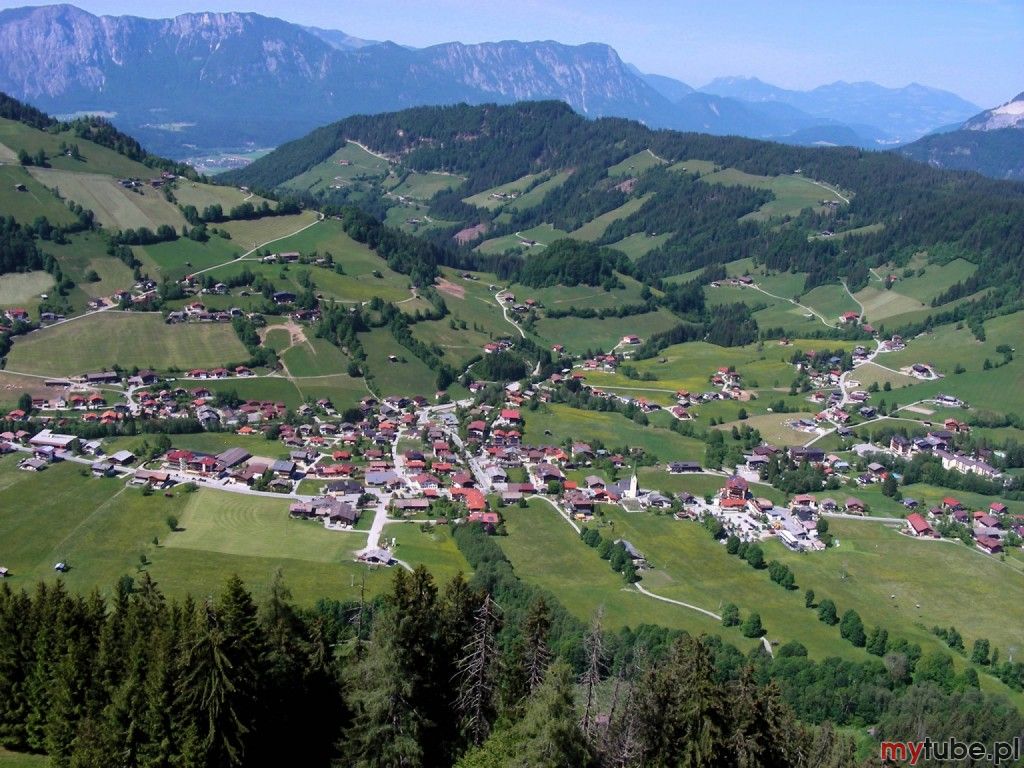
x=341, y=389
x=395, y=378
x=346, y=166
x=423, y=186
x=435, y=549
x=881, y=304
x=537, y=193
x=517, y=187
x=202, y=195
x=182, y=257
x=639, y=244
x=612, y=429
x=870, y=373
x=545, y=551
x=87, y=251
x=35, y=200
x=935, y=279
x=580, y=334
x=636, y=164
x=873, y=562
x=317, y=357
x=543, y=235
x=787, y=284
x=22, y=289
x=793, y=193
x=268, y=230
x=128, y=339
x=700, y=167
x=94, y=158
x=773, y=428
x=830, y=301
x=594, y=228
x=115, y=206
x=21, y=760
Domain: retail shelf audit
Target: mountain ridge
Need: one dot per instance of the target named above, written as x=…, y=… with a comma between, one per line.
x=203, y=81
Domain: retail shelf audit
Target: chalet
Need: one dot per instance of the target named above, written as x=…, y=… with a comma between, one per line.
x=102, y=469
x=989, y=544
x=283, y=297
x=122, y=458
x=678, y=467
x=900, y=445
x=376, y=556
x=232, y=457
x=997, y=508
x=800, y=453
x=734, y=494
x=102, y=377
x=578, y=504
x=854, y=506
x=849, y=317
x=410, y=506
x=918, y=525
x=33, y=465
x=630, y=339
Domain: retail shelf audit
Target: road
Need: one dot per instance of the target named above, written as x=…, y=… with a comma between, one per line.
x=255, y=248
x=692, y=607
x=794, y=302
x=844, y=516
x=504, y=311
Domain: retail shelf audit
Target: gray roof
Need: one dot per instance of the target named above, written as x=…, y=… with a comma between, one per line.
x=233, y=456
x=283, y=465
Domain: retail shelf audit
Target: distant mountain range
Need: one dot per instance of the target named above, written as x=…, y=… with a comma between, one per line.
x=206, y=81
x=991, y=143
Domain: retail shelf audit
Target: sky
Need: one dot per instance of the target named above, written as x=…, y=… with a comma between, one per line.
x=974, y=48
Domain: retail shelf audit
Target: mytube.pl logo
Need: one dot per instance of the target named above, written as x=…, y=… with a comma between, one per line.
x=913, y=752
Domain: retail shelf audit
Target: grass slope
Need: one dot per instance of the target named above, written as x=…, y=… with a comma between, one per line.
x=100, y=340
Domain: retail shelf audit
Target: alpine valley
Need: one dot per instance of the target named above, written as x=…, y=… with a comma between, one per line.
x=501, y=424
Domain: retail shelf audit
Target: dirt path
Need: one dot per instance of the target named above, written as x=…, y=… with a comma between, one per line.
x=795, y=302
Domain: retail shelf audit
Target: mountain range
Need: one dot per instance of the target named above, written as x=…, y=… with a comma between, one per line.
x=991, y=143
x=206, y=81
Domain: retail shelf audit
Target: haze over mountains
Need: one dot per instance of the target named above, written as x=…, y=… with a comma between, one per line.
x=991, y=143
x=228, y=80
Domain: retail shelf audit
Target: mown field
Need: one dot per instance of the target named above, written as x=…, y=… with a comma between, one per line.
x=85, y=252
x=35, y=200
x=343, y=168
x=579, y=334
x=434, y=548
x=22, y=289
x=517, y=188
x=94, y=158
x=635, y=164
x=545, y=551
x=315, y=357
x=555, y=423
x=116, y=207
x=639, y=244
x=792, y=193
x=542, y=235
x=103, y=339
x=594, y=228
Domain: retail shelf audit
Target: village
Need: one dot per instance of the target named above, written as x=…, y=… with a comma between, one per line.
x=406, y=459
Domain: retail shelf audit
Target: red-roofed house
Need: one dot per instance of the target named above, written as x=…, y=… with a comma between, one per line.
x=918, y=525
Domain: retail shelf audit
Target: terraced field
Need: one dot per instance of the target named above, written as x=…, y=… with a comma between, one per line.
x=346, y=166
x=639, y=244
x=792, y=193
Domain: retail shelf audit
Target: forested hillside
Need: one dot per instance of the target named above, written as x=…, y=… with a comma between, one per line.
x=481, y=673
x=679, y=190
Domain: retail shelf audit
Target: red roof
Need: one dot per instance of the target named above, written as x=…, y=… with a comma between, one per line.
x=510, y=414
x=918, y=523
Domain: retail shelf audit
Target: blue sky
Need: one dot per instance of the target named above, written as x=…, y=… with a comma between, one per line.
x=972, y=47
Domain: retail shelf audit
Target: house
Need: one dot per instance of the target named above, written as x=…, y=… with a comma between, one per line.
x=854, y=506
x=283, y=297
x=918, y=525
x=800, y=453
x=283, y=468
x=122, y=458
x=632, y=552
x=734, y=494
x=102, y=469
x=849, y=317
x=376, y=556
x=989, y=544
x=630, y=339
x=678, y=467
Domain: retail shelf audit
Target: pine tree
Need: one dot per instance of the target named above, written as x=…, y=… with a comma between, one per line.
x=594, y=654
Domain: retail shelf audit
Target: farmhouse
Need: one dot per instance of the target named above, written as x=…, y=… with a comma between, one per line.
x=734, y=494
x=918, y=526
